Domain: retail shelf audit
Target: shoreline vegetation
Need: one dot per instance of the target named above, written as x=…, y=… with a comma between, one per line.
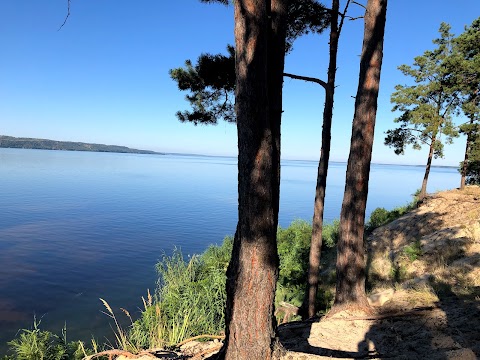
x=46, y=144
x=190, y=296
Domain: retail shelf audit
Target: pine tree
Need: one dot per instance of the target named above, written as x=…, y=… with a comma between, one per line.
x=465, y=67
x=427, y=106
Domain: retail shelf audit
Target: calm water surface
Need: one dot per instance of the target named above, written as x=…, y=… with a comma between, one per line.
x=76, y=226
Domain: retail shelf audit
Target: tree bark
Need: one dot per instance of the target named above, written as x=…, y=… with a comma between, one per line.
x=350, y=291
x=465, y=160
x=253, y=269
x=309, y=306
x=423, y=190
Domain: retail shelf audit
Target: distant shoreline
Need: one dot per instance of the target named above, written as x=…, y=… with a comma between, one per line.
x=11, y=142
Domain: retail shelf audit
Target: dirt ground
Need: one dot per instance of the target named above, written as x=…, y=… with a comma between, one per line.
x=446, y=329
x=428, y=308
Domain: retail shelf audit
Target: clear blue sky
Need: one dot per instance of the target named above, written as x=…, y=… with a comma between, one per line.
x=104, y=77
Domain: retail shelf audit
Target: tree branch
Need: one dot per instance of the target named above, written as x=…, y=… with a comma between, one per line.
x=354, y=18
x=343, y=17
x=66, y=17
x=307, y=78
x=454, y=97
x=356, y=3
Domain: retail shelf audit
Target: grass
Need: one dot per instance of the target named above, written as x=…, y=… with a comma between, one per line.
x=38, y=344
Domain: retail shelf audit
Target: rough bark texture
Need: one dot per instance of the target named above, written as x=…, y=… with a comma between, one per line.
x=423, y=190
x=253, y=269
x=309, y=308
x=350, y=291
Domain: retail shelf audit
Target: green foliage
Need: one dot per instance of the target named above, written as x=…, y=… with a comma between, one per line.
x=293, y=250
x=191, y=294
x=413, y=251
x=427, y=106
x=37, y=344
x=330, y=234
x=464, y=65
x=473, y=172
x=382, y=216
x=378, y=217
x=210, y=83
x=398, y=273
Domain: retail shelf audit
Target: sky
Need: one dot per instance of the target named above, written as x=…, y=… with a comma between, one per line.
x=103, y=77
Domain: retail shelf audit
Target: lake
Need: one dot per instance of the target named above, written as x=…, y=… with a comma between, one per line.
x=79, y=226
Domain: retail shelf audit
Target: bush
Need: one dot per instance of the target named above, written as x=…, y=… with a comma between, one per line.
x=330, y=234
x=413, y=251
x=381, y=216
x=293, y=249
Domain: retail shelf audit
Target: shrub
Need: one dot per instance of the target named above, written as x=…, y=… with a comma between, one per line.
x=413, y=251
x=330, y=234
x=381, y=216
x=293, y=250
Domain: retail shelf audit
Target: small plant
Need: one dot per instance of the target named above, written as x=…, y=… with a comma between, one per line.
x=413, y=251
x=398, y=273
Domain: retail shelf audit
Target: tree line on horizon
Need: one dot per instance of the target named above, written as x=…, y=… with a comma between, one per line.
x=245, y=87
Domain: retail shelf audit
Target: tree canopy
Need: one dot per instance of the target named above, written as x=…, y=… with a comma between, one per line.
x=210, y=83
x=465, y=68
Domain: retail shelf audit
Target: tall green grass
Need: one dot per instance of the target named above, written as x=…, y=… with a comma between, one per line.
x=38, y=344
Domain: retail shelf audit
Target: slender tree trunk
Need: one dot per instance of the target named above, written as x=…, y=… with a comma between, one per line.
x=309, y=305
x=253, y=269
x=350, y=291
x=423, y=190
x=465, y=160
x=465, y=164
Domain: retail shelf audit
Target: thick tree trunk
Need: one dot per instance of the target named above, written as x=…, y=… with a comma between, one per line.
x=309, y=307
x=350, y=291
x=423, y=190
x=253, y=269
